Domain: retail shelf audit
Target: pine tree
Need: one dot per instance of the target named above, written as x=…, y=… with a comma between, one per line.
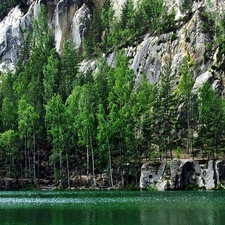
x=107, y=18
x=86, y=132
x=9, y=102
x=51, y=79
x=211, y=119
x=121, y=82
x=165, y=112
x=142, y=102
x=92, y=43
x=186, y=98
x=69, y=70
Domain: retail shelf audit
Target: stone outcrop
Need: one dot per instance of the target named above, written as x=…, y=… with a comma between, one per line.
x=80, y=24
x=152, y=52
x=65, y=19
x=182, y=174
x=12, y=37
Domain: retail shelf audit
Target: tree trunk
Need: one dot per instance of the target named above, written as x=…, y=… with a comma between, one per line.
x=68, y=170
x=110, y=164
x=34, y=160
x=93, y=161
x=61, y=169
x=25, y=158
x=87, y=155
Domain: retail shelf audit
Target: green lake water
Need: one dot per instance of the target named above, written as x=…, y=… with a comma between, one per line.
x=112, y=208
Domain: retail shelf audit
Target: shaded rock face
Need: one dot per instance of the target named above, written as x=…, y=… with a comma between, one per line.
x=151, y=174
x=186, y=175
x=11, y=36
x=220, y=168
x=183, y=174
x=80, y=24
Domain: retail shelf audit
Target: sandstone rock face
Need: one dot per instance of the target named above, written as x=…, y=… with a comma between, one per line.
x=80, y=24
x=148, y=54
x=11, y=36
x=64, y=17
x=183, y=174
x=62, y=21
x=150, y=174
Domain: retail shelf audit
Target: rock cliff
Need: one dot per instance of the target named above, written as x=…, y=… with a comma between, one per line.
x=148, y=54
x=182, y=174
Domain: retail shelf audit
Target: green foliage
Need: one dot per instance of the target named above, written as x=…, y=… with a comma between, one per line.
x=178, y=152
x=211, y=119
x=165, y=112
x=219, y=186
x=186, y=6
x=91, y=44
x=108, y=33
x=167, y=21
x=69, y=70
x=208, y=22
x=220, y=37
x=56, y=119
x=148, y=15
x=9, y=142
x=27, y=121
x=51, y=76
x=186, y=98
x=193, y=187
x=152, y=188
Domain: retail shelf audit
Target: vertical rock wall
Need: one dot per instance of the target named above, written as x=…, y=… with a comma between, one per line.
x=183, y=174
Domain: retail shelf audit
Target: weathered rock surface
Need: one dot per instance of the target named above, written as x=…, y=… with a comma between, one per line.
x=80, y=24
x=148, y=54
x=12, y=37
x=64, y=17
x=181, y=174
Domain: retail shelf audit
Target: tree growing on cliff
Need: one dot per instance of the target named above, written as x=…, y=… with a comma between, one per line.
x=92, y=43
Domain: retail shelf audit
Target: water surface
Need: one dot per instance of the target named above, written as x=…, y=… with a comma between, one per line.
x=112, y=208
